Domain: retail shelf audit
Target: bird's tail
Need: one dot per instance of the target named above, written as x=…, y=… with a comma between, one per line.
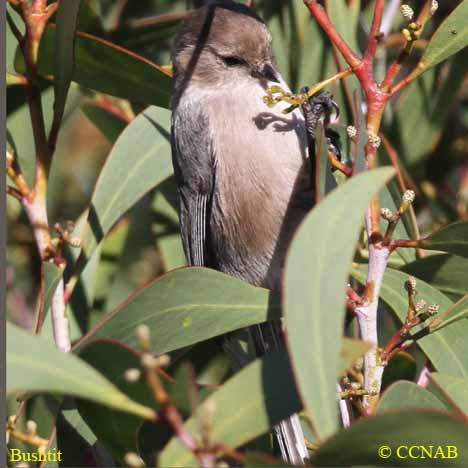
x=267, y=338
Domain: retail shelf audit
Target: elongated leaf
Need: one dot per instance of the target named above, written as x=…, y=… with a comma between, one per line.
x=109, y=124
x=376, y=441
x=64, y=60
x=139, y=161
x=116, y=430
x=187, y=306
x=447, y=348
x=448, y=273
x=36, y=365
x=316, y=273
x=452, y=239
x=166, y=226
x=20, y=134
x=408, y=395
x=451, y=37
x=272, y=397
x=455, y=390
x=423, y=109
x=52, y=276
x=351, y=351
x=108, y=68
x=456, y=312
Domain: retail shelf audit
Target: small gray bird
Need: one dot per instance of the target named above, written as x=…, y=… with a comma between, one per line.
x=243, y=171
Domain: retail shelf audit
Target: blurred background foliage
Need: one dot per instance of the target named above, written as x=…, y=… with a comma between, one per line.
x=426, y=127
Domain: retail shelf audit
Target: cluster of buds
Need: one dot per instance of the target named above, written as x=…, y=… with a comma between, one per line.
x=410, y=285
x=434, y=7
x=374, y=140
x=388, y=215
x=351, y=131
x=407, y=12
x=65, y=235
x=407, y=200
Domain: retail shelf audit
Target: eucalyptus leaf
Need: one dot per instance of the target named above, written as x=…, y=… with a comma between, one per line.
x=454, y=389
x=246, y=406
x=458, y=311
x=448, y=273
x=36, y=365
x=108, y=123
x=452, y=239
x=64, y=54
x=447, y=348
x=362, y=443
x=316, y=272
x=138, y=162
x=107, y=68
x=408, y=396
x=450, y=37
x=184, y=307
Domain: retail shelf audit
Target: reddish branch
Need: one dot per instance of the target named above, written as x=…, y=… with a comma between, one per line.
x=324, y=21
x=374, y=34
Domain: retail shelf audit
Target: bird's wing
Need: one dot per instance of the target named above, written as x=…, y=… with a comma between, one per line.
x=194, y=170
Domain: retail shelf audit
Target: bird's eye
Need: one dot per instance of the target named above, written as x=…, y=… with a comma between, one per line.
x=233, y=61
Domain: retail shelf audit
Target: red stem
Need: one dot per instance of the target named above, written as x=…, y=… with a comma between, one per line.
x=374, y=35
x=406, y=243
x=324, y=21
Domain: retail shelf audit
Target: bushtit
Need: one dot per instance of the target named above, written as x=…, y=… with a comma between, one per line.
x=243, y=172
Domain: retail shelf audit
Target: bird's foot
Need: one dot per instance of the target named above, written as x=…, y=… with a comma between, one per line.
x=321, y=105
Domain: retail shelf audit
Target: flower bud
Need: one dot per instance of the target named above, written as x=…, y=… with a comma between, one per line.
x=407, y=12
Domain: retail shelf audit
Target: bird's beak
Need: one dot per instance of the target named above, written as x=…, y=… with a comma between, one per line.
x=266, y=72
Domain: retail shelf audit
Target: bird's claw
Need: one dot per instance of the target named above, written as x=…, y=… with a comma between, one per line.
x=322, y=104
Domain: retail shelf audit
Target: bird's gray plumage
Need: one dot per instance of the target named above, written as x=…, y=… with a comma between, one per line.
x=242, y=170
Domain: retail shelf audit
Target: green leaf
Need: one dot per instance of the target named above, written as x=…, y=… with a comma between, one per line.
x=445, y=272
x=187, y=306
x=36, y=365
x=447, y=348
x=317, y=268
x=450, y=37
x=52, y=275
x=108, y=123
x=116, y=430
x=271, y=395
x=422, y=111
x=360, y=444
x=402, y=366
x=453, y=389
x=452, y=239
x=138, y=162
x=20, y=134
x=166, y=226
x=456, y=312
x=64, y=55
x=351, y=351
x=407, y=395
x=108, y=68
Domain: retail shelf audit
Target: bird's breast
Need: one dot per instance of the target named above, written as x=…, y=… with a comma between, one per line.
x=262, y=167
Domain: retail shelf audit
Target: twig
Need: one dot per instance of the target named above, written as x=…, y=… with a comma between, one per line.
x=14, y=193
x=60, y=322
x=344, y=410
x=374, y=35
x=367, y=319
x=156, y=20
x=324, y=21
